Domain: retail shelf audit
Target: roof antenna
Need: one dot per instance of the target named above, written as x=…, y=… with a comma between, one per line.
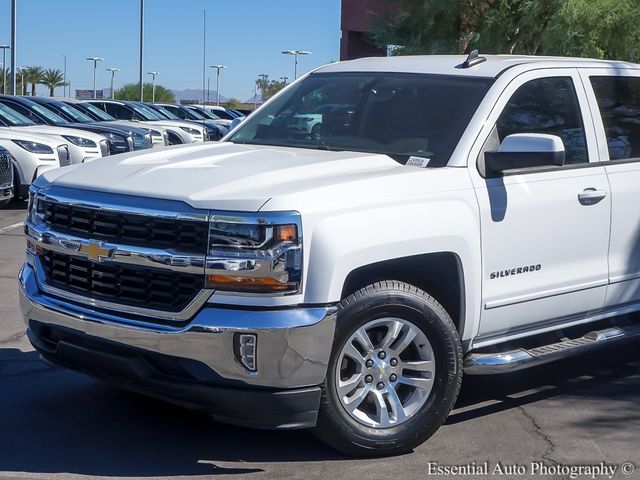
x=474, y=58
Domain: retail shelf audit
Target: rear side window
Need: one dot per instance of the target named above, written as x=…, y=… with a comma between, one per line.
x=619, y=102
x=547, y=105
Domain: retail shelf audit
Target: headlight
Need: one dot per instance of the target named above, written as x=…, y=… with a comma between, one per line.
x=116, y=139
x=34, y=147
x=255, y=254
x=191, y=131
x=81, y=142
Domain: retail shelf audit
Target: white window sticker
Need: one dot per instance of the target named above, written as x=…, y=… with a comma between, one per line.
x=418, y=162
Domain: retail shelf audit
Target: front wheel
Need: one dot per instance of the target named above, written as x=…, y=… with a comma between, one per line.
x=394, y=373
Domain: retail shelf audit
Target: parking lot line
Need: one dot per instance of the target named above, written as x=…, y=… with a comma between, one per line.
x=11, y=227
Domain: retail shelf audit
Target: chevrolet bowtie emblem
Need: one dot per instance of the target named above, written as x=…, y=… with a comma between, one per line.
x=95, y=252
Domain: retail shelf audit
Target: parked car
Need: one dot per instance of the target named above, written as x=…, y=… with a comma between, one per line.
x=6, y=177
x=158, y=134
x=217, y=128
x=209, y=115
x=82, y=146
x=244, y=111
x=213, y=132
x=459, y=214
x=32, y=155
x=219, y=111
x=83, y=137
x=177, y=131
x=122, y=138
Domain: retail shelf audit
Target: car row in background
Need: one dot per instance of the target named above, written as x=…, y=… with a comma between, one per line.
x=41, y=133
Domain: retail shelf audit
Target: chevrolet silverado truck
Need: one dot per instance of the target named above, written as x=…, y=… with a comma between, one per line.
x=451, y=215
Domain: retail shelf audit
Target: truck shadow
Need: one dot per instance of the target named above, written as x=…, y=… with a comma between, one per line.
x=55, y=421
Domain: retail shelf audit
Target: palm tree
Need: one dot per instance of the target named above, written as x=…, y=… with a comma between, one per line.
x=33, y=75
x=52, y=78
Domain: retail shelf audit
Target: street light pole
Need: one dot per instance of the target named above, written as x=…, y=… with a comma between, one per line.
x=153, y=85
x=64, y=77
x=263, y=77
x=295, y=54
x=285, y=79
x=140, y=73
x=218, y=68
x=13, y=47
x=4, y=68
x=21, y=70
x=95, y=61
x=113, y=74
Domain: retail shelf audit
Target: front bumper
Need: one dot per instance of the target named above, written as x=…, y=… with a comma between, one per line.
x=192, y=363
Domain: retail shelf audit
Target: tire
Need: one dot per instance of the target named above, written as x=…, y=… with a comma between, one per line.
x=367, y=431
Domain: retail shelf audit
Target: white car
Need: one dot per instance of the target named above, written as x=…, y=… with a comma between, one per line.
x=455, y=214
x=33, y=155
x=178, y=132
x=158, y=134
x=83, y=146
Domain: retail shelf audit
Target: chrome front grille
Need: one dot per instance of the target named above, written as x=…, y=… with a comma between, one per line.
x=186, y=236
x=123, y=284
x=63, y=155
x=6, y=169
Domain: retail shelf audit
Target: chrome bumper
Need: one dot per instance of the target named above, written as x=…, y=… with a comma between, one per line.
x=293, y=344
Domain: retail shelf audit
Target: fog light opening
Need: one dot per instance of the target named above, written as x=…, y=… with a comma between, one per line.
x=246, y=345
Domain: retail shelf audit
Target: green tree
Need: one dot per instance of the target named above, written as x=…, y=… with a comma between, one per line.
x=33, y=76
x=553, y=27
x=268, y=88
x=52, y=78
x=234, y=103
x=131, y=91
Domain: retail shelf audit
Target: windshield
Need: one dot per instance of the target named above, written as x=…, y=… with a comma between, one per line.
x=73, y=114
x=166, y=112
x=96, y=112
x=397, y=114
x=11, y=118
x=191, y=114
x=205, y=113
x=51, y=118
x=147, y=113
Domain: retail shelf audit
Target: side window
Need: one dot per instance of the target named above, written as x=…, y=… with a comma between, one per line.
x=619, y=102
x=547, y=105
x=118, y=111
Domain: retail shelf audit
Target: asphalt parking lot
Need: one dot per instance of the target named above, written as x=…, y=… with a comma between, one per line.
x=57, y=424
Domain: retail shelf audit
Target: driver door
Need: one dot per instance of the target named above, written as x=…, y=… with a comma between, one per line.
x=544, y=248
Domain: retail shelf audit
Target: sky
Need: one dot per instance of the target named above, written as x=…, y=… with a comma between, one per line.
x=245, y=35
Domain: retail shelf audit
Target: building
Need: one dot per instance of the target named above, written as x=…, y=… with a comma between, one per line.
x=358, y=17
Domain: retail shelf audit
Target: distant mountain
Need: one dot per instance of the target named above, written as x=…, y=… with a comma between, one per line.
x=254, y=99
x=196, y=94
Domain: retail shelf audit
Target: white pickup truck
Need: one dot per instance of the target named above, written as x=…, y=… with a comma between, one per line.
x=452, y=215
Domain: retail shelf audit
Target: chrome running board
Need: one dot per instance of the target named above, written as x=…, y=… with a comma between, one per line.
x=513, y=360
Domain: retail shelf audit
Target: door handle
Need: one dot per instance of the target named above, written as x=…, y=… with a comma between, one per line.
x=591, y=196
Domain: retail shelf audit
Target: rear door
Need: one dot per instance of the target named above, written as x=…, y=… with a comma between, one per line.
x=544, y=248
x=614, y=97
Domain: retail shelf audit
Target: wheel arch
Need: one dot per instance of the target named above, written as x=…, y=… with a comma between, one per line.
x=440, y=274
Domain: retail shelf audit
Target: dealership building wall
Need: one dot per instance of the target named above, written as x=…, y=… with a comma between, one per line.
x=357, y=19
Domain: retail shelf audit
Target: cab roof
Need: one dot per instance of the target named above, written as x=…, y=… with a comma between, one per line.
x=451, y=64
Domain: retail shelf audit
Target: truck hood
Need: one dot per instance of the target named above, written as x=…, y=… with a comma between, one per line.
x=222, y=176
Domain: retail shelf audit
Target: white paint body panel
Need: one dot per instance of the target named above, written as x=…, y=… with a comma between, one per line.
x=29, y=164
x=76, y=154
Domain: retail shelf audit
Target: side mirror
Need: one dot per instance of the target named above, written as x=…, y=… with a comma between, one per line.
x=525, y=150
